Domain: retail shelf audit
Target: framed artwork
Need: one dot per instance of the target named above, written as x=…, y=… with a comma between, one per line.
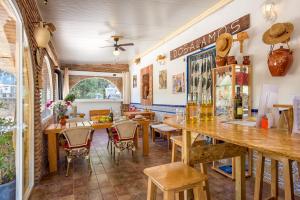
x=178, y=83
x=147, y=85
x=199, y=74
x=163, y=79
x=134, y=81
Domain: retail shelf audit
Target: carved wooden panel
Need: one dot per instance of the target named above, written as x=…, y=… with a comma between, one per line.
x=147, y=85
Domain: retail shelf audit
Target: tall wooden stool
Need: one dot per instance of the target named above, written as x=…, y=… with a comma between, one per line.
x=173, y=178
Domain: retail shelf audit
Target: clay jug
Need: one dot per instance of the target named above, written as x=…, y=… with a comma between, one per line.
x=231, y=60
x=221, y=61
x=279, y=61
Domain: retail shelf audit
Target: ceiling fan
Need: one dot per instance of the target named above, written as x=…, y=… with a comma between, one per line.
x=117, y=46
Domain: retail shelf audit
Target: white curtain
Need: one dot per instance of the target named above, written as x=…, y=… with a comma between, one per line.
x=66, y=83
x=126, y=87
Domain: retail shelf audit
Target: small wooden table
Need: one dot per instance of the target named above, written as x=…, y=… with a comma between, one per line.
x=53, y=130
x=149, y=114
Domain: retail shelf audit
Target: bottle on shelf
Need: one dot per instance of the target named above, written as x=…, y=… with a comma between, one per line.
x=238, y=105
x=203, y=110
x=209, y=109
x=111, y=115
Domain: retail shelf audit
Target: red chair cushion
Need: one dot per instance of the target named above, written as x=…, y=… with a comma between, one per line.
x=114, y=130
x=116, y=138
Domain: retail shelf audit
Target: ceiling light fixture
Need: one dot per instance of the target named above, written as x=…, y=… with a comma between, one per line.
x=268, y=10
x=116, y=52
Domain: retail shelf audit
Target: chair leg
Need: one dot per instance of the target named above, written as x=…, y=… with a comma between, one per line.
x=288, y=179
x=260, y=166
x=205, y=192
x=198, y=192
x=153, y=134
x=173, y=152
x=118, y=159
x=68, y=166
x=151, y=193
x=274, y=179
x=169, y=195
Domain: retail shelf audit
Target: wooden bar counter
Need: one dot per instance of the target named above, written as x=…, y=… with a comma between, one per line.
x=274, y=142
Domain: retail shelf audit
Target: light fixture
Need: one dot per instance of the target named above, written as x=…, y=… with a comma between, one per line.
x=161, y=59
x=268, y=10
x=116, y=52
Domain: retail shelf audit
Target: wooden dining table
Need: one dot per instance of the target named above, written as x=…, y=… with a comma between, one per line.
x=275, y=142
x=53, y=130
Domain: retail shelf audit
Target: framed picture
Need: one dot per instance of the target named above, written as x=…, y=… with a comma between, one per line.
x=178, y=83
x=134, y=81
x=163, y=79
x=199, y=74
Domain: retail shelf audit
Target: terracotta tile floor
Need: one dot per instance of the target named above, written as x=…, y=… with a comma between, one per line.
x=125, y=181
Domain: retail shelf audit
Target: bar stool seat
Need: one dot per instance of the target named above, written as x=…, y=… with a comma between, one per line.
x=174, y=178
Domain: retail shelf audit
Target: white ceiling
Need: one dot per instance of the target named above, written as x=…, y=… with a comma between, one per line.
x=83, y=26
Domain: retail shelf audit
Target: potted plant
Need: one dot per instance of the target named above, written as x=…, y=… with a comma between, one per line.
x=7, y=159
x=60, y=108
x=70, y=97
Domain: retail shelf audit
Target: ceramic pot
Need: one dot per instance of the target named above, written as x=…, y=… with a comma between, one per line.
x=279, y=61
x=8, y=191
x=63, y=120
x=221, y=61
x=246, y=60
x=231, y=60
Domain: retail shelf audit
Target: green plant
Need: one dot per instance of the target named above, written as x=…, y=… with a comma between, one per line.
x=70, y=97
x=7, y=151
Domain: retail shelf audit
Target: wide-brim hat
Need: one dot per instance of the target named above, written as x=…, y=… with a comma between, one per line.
x=223, y=44
x=278, y=33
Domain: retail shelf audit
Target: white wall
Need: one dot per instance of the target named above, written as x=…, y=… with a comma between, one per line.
x=289, y=85
x=84, y=106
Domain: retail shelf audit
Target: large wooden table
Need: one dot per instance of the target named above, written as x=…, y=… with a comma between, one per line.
x=274, y=142
x=53, y=130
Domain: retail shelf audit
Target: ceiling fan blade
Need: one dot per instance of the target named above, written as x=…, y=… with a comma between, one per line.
x=121, y=48
x=107, y=46
x=126, y=44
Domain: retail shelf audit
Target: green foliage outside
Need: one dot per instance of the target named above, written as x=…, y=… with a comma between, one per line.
x=93, y=88
x=7, y=151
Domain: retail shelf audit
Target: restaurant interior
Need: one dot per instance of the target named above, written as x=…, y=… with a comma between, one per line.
x=149, y=99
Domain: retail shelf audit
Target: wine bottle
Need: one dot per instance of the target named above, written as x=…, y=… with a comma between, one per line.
x=238, y=105
x=111, y=115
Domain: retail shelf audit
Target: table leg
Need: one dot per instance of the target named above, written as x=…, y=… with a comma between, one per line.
x=274, y=178
x=185, y=151
x=145, y=139
x=240, y=183
x=288, y=179
x=52, y=152
x=260, y=166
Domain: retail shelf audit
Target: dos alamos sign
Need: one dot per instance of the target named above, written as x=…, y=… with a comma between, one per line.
x=234, y=27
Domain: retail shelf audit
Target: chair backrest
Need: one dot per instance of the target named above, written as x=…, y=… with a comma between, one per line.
x=78, y=136
x=99, y=112
x=126, y=129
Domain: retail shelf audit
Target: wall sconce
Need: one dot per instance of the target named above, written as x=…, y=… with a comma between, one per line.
x=268, y=10
x=42, y=34
x=137, y=61
x=161, y=59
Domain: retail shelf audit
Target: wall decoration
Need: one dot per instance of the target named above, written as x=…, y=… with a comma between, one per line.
x=147, y=85
x=163, y=79
x=199, y=74
x=134, y=81
x=234, y=27
x=178, y=83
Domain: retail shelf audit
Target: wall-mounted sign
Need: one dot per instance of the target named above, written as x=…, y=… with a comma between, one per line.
x=234, y=27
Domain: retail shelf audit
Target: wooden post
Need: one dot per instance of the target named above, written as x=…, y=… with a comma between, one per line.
x=52, y=152
x=240, y=182
x=145, y=126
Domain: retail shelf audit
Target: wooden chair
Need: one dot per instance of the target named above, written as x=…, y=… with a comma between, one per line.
x=124, y=139
x=287, y=165
x=173, y=178
x=95, y=113
x=78, y=142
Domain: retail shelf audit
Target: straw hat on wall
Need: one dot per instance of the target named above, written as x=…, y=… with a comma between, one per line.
x=223, y=44
x=278, y=33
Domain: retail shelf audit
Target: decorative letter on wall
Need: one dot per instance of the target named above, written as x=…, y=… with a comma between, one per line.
x=147, y=85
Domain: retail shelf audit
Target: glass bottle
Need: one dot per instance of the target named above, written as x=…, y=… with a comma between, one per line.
x=203, y=108
x=209, y=110
x=238, y=105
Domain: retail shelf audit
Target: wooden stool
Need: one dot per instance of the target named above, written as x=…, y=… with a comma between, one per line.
x=287, y=174
x=165, y=130
x=173, y=178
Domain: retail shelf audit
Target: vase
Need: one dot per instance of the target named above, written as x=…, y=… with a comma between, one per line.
x=63, y=120
x=246, y=60
x=279, y=61
x=221, y=61
x=231, y=60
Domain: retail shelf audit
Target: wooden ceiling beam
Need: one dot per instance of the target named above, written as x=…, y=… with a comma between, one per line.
x=113, y=68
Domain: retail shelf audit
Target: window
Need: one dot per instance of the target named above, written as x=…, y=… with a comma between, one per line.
x=46, y=88
x=95, y=88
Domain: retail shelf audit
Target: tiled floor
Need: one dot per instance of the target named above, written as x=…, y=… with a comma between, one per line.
x=125, y=181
